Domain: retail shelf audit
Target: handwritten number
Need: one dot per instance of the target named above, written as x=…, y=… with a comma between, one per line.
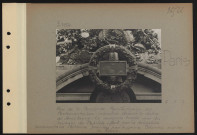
x=63, y=24
x=175, y=10
x=166, y=101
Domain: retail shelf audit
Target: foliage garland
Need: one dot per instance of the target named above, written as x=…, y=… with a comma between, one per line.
x=129, y=57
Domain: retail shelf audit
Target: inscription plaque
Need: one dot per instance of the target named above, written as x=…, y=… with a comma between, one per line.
x=112, y=68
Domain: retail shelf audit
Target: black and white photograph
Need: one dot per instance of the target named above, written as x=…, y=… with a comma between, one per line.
x=98, y=68
x=108, y=66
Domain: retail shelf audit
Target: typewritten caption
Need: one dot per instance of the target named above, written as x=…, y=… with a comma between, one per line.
x=108, y=119
x=111, y=119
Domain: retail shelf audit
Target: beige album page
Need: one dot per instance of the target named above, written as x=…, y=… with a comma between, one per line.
x=66, y=94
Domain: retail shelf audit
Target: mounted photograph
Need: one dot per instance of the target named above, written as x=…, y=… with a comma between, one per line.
x=108, y=66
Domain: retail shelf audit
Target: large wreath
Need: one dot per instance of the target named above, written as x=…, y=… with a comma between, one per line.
x=126, y=55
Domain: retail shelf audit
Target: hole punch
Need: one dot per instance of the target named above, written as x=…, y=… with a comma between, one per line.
x=8, y=90
x=8, y=33
x=8, y=103
x=8, y=47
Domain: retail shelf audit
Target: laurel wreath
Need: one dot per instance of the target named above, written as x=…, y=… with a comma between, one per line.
x=131, y=72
